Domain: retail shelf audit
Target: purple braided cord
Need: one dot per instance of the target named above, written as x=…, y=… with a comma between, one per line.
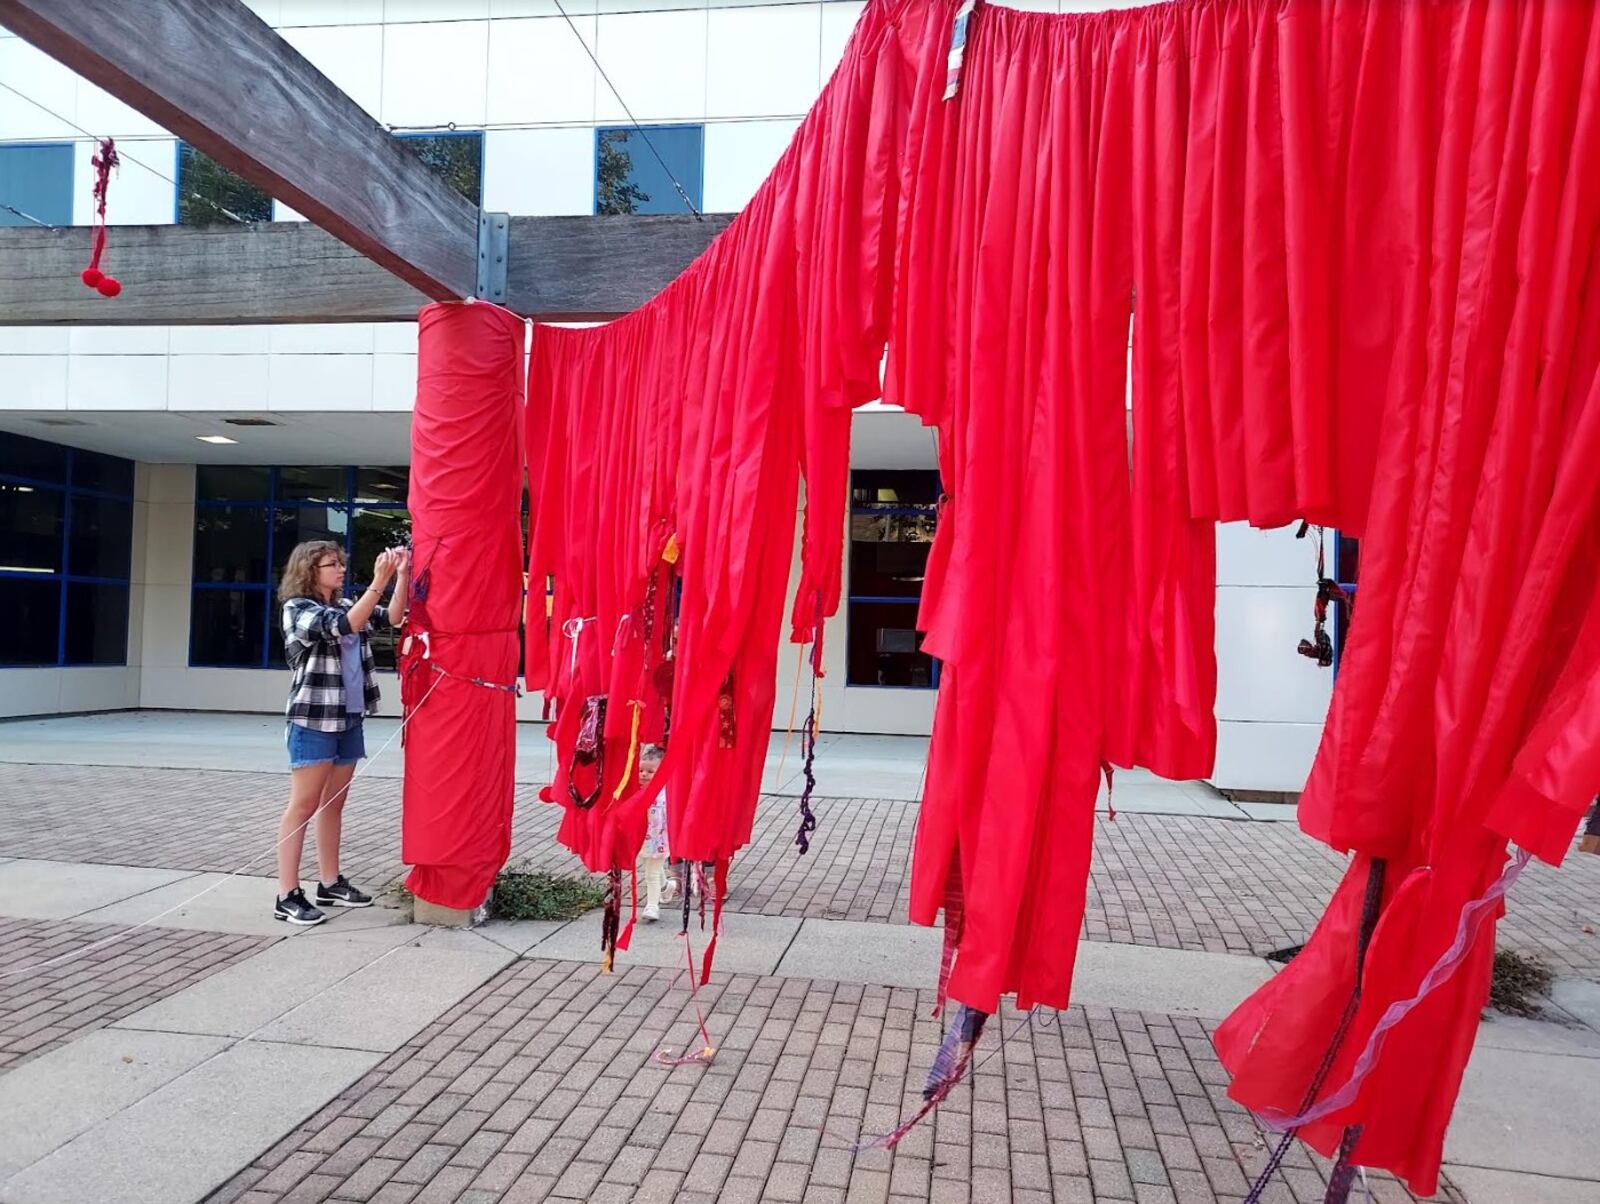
x=808, y=745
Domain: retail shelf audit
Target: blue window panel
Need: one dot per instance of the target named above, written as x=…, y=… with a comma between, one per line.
x=456, y=157
x=66, y=537
x=247, y=521
x=37, y=179
x=634, y=170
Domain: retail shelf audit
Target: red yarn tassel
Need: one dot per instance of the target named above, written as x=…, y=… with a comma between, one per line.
x=716, y=920
x=103, y=161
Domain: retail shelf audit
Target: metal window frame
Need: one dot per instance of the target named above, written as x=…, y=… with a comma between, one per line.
x=272, y=503
x=65, y=577
x=697, y=193
x=910, y=599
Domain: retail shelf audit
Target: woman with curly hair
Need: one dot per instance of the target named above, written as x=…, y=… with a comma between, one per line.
x=325, y=640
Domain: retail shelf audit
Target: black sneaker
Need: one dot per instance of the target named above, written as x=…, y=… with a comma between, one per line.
x=342, y=894
x=295, y=909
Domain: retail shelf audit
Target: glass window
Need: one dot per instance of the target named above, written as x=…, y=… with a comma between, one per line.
x=457, y=157
x=60, y=546
x=232, y=483
x=107, y=474
x=32, y=627
x=885, y=647
x=209, y=193
x=312, y=485
x=893, y=516
x=97, y=624
x=247, y=522
x=101, y=539
x=227, y=626
x=376, y=530
x=37, y=179
x=34, y=459
x=32, y=521
x=634, y=170
x=888, y=489
x=301, y=524
x=230, y=544
x=387, y=486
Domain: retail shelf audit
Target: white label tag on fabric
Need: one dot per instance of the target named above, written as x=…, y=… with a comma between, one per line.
x=958, y=49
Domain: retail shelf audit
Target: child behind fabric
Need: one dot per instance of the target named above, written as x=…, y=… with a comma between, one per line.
x=654, y=854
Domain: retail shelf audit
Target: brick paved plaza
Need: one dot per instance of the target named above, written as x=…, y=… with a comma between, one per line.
x=1170, y=881
x=535, y=1075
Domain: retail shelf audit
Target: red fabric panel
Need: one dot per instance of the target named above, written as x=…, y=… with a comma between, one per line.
x=465, y=502
x=1356, y=244
x=691, y=421
x=1468, y=703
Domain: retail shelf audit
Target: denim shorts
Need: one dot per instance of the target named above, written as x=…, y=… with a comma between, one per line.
x=307, y=747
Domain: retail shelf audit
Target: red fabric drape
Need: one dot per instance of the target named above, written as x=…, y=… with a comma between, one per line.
x=1468, y=703
x=1355, y=245
x=686, y=425
x=465, y=502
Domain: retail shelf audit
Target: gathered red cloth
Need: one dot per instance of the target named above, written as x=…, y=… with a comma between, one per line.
x=1353, y=243
x=458, y=660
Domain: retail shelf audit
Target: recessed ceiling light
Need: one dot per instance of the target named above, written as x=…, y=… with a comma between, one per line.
x=215, y=439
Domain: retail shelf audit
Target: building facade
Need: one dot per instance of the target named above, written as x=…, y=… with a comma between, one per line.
x=153, y=479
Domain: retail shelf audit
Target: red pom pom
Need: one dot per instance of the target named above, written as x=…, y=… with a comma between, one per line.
x=92, y=277
x=109, y=286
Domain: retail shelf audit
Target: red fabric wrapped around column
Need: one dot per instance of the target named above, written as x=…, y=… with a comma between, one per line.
x=458, y=660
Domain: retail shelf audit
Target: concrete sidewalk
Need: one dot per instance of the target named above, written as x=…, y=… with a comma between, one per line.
x=111, y=1115
x=848, y=766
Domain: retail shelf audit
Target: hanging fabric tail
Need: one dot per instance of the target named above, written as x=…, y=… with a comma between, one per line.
x=633, y=754
x=954, y=912
x=609, y=922
x=1110, y=771
x=948, y=1069
x=686, y=888
x=808, y=753
x=721, y=886
x=958, y=49
x=626, y=936
x=707, y=1051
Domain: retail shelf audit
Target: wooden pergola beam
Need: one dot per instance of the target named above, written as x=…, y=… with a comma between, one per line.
x=560, y=269
x=220, y=78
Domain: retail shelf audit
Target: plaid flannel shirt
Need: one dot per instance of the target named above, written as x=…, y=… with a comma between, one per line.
x=311, y=631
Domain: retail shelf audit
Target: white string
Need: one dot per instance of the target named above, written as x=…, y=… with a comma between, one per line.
x=682, y=194
x=296, y=833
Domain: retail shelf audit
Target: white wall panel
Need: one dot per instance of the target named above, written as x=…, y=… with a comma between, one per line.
x=541, y=172
x=117, y=382
x=762, y=61
x=143, y=188
x=1247, y=556
x=349, y=55
x=1260, y=676
x=204, y=383
x=837, y=22
x=221, y=340
x=539, y=70
x=320, y=382
x=329, y=12
x=435, y=73
x=394, y=382
x=118, y=340
x=738, y=156
x=348, y=338
x=1264, y=756
x=39, y=77
x=658, y=62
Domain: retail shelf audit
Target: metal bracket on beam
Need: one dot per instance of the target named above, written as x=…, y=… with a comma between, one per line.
x=494, y=240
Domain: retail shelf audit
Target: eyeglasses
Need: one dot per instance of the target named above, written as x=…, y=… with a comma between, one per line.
x=331, y=564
